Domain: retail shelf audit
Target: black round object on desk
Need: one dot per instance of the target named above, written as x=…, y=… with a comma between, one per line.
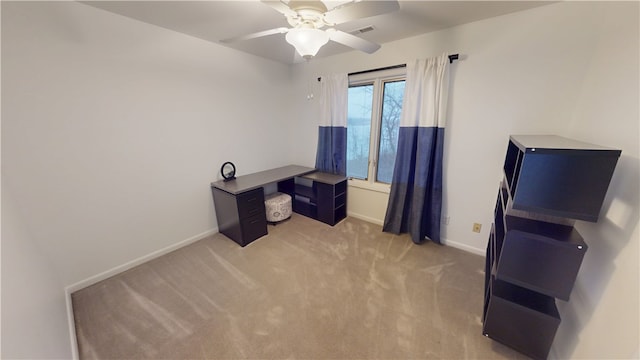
x=228, y=171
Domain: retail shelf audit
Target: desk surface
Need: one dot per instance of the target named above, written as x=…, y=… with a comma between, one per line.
x=253, y=181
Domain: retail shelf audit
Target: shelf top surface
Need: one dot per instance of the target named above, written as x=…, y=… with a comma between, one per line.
x=554, y=142
x=560, y=234
x=325, y=178
x=253, y=181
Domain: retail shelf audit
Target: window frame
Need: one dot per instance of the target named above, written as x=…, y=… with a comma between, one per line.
x=377, y=79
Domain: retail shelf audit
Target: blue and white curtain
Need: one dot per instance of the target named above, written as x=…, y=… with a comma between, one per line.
x=331, y=156
x=415, y=201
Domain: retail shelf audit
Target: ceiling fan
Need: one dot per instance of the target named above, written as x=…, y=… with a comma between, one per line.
x=308, y=18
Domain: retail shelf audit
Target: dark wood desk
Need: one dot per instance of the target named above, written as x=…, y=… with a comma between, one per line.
x=239, y=203
x=257, y=180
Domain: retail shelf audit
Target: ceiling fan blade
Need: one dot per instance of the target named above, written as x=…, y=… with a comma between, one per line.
x=359, y=9
x=281, y=30
x=352, y=41
x=280, y=7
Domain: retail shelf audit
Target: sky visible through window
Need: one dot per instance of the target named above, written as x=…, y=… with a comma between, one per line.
x=359, y=130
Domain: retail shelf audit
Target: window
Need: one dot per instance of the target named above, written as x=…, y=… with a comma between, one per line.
x=373, y=122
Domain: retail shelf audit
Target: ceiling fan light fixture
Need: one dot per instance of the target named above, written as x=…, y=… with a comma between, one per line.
x=307, y=41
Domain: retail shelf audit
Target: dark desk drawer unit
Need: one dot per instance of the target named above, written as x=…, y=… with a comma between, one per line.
x=251, y=203
x=254, y=227
x=242, y=218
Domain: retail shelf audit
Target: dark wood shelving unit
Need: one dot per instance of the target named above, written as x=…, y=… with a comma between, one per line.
x=321, y=196
x=534, y=253
x=306, y=191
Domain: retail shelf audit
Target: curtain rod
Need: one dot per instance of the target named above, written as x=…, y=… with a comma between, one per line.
x=452, y=58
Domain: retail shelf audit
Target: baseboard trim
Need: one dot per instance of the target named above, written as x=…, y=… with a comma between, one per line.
x=114, y=271
x=446, y=242
x=135, y=262
x=365, y=218
x=71, y=322
x=464, y=247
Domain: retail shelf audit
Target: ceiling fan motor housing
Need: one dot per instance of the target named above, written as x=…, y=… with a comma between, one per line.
x=307, y=13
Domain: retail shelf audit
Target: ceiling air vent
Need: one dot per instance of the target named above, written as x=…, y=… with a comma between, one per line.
x=362, y=30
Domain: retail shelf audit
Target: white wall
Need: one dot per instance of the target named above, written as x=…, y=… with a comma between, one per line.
x=112, y=130
x=34, y=321
x=569, y=68
x=603, y=316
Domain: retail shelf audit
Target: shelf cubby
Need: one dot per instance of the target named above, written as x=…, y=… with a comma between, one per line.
x=321, y=196
x=558, y=176
x=544, y=257
x=510, y=309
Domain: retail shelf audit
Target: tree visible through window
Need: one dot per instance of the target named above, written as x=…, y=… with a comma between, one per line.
x=389, y=128
x=373, y=123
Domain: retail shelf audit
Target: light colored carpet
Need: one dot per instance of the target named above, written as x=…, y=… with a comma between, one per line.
x=305, y=291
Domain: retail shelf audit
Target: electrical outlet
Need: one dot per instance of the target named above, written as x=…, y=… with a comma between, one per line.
x=445, y=220
x=477, y=227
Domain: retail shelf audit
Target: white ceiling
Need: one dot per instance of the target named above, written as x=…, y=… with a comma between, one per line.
x=217, y=20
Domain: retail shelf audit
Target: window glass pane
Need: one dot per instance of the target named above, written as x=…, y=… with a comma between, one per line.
x=389, y=127
x=359, y=130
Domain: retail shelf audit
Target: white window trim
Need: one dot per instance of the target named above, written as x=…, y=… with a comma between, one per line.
x=377, y=78
x=370, y=185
